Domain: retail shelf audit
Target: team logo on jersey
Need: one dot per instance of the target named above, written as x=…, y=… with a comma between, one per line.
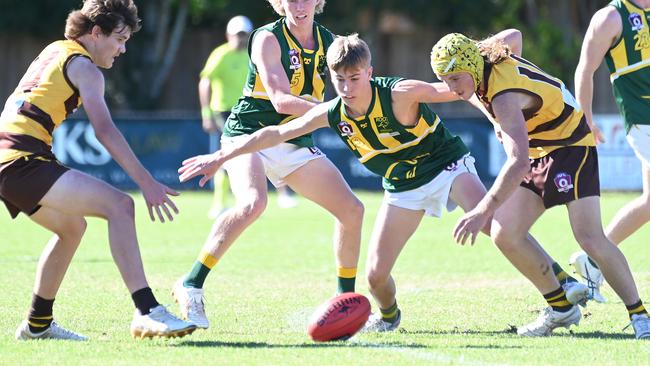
x=306, y=60
x=635, y=21
x=363, y=125
x=294, y=59
x=345, y=129
x=563, y=182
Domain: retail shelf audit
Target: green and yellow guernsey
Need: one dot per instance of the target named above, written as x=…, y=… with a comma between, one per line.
x=306, y=71
x=406, y=157
x=628, y=62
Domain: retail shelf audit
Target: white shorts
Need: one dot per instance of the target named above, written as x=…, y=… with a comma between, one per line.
x=639, y=139
x=280, y=160
x=433, y=196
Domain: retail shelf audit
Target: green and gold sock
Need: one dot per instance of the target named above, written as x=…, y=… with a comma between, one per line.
x=346, y=279
x=390, y=315
x=40, y=314
x=557, y=300
x=200, y=270
x=636, y=309
x=562, y=277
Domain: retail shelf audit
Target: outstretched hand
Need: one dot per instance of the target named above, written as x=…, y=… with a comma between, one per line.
x=469, y=226
x=205, y=165
x=156, y=195
x=598, y=134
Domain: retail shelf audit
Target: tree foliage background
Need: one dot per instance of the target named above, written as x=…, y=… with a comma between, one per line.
x=553, y=29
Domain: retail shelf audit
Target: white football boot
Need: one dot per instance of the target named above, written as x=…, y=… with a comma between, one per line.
x=55, y=331
x=548, y=320
x=641, y=325
x=591, y=274
x=576, y=293
x=192, y=303
x=159, y=323
x=376, y=323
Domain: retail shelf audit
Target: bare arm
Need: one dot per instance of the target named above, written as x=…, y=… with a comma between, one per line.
x=90, y=82
x=416, y=91
x=507, y=109
x=513, y=38
x=266, y=56
x=207, y=165
x=605, y=27
x=205, y=93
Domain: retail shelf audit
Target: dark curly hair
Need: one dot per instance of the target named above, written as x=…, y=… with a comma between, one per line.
x=107, y=14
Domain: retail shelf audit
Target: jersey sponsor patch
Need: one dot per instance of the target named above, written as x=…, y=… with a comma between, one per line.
x=294, y=59
x=563, y=182
x=345, y=129
x=635, y=22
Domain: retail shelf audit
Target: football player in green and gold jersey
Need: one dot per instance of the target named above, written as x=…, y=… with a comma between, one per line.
x=286, y=78
x=619, y=33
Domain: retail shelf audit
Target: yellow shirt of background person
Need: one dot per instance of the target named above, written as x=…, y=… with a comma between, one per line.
x=227, y=68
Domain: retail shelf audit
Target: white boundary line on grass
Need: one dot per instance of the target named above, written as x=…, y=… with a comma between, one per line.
x=425, y=355
x=299, y=318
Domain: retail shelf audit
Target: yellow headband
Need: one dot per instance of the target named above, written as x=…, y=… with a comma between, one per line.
x=456, y=53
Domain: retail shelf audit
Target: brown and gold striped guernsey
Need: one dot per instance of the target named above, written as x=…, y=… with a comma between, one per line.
x=41, y=102
x=555, y=121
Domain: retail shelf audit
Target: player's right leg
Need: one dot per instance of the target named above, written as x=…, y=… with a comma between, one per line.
x=248, y=182
x=628, y=219
x=51, y=269
x=78, y=195
x=393, y=227
x=509, y=232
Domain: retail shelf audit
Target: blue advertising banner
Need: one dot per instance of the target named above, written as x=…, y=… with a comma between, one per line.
x=161, y=146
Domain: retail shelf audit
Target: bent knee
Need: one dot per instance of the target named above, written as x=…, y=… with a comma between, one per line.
x=351, y=213
x=121, y=206
x=505, y=239
x=73, y=229
x=376, y=277
x=592, y=242
x=253, y=207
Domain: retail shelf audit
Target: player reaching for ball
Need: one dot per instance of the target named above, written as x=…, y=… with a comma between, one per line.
x=33, y=182
x=387, y=124
x=548, y=142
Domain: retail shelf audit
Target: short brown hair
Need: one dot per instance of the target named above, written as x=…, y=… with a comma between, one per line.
x=277, y=6
x=107, y=14
x=348, y=52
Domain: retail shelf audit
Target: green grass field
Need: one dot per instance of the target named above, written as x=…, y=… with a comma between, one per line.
x=459, y=303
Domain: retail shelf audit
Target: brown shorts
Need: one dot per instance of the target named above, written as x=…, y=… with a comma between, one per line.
x=564, y=175
x=25, y=181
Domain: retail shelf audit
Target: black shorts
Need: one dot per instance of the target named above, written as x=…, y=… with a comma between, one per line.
x=25, y=181
x=564, y=175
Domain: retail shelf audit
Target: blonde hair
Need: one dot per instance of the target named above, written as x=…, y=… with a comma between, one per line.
x=107, y=14
x=277, y=6
x=348, y=52
x=494, y=50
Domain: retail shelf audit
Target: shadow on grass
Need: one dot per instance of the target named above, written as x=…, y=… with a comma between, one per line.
x=335, y=344
x=512, y=330
x=461, y=332
x=597, y=335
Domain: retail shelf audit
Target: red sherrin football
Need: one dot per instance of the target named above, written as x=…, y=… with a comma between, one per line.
x=339, y=317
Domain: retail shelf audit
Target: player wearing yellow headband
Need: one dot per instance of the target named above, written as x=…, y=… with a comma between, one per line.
x=548, y=142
